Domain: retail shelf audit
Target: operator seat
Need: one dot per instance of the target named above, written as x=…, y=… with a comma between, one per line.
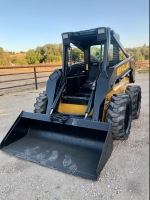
x=93, y=73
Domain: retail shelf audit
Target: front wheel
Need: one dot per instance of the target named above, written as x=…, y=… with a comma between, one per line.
x=40, y=105
x=120, y=115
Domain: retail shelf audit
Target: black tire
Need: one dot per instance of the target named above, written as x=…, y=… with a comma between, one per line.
x=41, y=103
x=120, y=115
x=135, y=93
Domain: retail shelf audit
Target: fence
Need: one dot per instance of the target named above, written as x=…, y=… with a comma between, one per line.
x=23, y=75
x=31, y=75
x=142, y=64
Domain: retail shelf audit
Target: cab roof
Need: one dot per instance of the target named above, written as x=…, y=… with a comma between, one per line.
x=86, y=38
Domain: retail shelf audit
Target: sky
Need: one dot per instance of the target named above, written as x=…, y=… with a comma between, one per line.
x=26, y=24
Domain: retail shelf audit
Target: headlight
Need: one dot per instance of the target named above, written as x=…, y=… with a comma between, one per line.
x=101, y=30
x=65, y=36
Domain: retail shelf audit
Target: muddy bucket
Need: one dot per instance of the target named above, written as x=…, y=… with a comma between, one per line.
x=79, y=147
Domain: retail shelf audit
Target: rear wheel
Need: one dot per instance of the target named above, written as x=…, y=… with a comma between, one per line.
x=41, y=103
x=135, y=92
x=120, y=115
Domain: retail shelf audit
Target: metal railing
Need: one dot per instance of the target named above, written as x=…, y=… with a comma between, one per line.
x=33, y=71
x=141, y=64
x=34, y=74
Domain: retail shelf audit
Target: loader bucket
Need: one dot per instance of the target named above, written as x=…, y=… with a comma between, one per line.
x=79, y=147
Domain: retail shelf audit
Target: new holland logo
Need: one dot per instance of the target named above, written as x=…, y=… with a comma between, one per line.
x=122, y=69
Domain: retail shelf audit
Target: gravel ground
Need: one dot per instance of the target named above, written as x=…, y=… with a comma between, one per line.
x=124, y=177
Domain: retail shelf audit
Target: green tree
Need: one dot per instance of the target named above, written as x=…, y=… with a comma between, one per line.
x=33, y=57
x=145, y=51
x=139, y=56
x=140, y=53
x=77, y=55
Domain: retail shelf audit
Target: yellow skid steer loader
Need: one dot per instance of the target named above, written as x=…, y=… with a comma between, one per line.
x=86, y=104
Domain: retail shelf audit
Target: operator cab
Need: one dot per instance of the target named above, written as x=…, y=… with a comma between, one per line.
x=82, y=64
x=85, y=55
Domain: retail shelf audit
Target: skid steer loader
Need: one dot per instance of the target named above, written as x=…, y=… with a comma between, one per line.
x=87, y=104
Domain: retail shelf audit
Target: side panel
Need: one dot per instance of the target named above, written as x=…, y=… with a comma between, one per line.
x=51, y=87
x=102, y=88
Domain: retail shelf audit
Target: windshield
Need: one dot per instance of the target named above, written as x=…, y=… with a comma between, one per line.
x=76, y=55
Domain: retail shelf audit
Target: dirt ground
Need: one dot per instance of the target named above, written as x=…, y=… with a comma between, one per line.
x=124, y=177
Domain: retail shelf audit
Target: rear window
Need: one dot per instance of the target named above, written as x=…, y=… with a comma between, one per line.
x=97, y=53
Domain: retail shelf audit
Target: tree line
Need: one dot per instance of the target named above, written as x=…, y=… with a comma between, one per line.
x=53, y=53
